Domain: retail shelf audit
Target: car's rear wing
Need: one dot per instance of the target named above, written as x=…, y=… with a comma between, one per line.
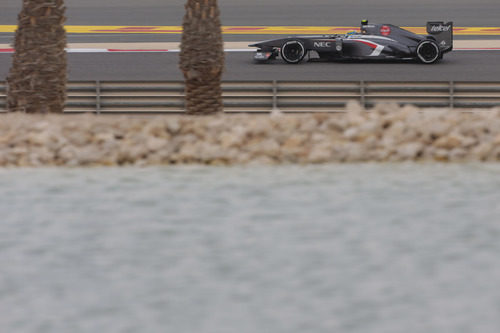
x=443, y=32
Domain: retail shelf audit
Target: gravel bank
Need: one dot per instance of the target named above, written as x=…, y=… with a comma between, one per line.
x=386, y=134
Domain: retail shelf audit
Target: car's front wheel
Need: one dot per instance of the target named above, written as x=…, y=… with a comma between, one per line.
x=293, y=52
x=428, y=52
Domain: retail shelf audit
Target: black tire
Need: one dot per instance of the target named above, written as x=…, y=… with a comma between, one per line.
x=428, y=52
x=293, y=52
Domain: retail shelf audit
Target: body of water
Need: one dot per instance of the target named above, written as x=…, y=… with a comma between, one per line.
x=341, y=248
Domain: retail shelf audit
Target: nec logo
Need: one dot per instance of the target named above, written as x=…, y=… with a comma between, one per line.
x=322, y=44
x=440, y=28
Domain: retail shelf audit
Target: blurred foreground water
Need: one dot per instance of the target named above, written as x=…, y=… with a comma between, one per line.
x=340, y=248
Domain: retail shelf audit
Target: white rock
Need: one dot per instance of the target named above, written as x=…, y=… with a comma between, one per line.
x=352, y=133
x=173, y=125
x=410, y=151
x=320, y=154
x=155, y=144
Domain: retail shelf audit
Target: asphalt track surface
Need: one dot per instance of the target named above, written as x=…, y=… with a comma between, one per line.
x=469, y=65
x=276, y=12
x=457, y=66
x=474, y=13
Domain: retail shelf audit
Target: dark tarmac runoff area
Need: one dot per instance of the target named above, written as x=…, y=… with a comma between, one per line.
x=456, y=66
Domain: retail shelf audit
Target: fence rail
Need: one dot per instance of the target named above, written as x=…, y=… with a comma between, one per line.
x=264, y=96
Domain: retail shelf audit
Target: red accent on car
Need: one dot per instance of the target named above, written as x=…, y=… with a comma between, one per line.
x=372, y=45
x=385, y=30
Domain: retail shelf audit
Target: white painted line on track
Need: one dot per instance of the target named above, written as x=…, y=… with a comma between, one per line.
x=86, y=50
x=95, y=50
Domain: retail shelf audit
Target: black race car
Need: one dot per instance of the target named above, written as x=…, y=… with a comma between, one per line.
x=374, y=41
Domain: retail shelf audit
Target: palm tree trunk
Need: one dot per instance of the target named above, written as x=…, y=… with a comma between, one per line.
x=37, y=78
x=202, y=57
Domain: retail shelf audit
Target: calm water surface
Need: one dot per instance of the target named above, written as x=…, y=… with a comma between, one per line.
x=345, y=248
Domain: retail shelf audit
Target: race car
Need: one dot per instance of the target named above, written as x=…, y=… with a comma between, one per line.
x=373, y=42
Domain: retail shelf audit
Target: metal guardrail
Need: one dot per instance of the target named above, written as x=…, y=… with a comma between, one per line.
x=264, y=96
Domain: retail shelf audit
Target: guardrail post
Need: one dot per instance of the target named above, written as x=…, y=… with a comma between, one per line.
x=98, y=97
x=362, y=93
x=275, y=95
x=452, y=94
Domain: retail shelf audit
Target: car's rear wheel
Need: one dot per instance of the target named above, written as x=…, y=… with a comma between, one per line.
x=428, y=52
x=293, y=52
